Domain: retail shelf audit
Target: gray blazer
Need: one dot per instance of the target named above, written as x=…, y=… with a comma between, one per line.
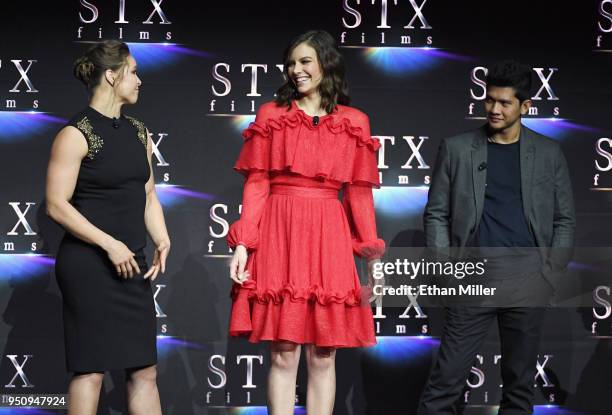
x=457, y=191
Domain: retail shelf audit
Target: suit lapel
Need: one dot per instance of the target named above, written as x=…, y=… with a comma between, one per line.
x=479, y=171
x=527, y=149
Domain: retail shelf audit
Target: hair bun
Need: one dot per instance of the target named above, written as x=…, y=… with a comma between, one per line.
x=100, y=57
x=83, y=69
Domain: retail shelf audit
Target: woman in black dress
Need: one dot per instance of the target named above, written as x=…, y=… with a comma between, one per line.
x=100, y=188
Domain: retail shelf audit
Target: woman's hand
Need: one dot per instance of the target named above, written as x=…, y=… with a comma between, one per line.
x=237, y=265
x=372, y=281
x=122, y=258
x=159, y=260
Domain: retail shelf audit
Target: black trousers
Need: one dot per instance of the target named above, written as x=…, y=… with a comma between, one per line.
x=463, y=334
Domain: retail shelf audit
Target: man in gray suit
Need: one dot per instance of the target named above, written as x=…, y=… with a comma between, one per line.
x=504, y=186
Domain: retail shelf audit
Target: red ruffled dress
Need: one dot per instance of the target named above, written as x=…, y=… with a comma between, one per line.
x=303, y=286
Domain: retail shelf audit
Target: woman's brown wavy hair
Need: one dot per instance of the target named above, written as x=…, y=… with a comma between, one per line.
x=333, y=87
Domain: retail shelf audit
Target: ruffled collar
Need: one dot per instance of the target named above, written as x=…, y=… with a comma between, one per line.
x=335, y=123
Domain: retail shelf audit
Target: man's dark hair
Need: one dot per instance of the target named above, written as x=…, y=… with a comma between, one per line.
x=513, y=74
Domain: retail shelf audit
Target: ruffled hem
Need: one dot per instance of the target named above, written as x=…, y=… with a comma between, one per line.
x=369, y=249
x=335, y=324
x=241, y=233
x=288, y=292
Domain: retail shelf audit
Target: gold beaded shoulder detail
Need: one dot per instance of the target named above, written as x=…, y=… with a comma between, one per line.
x=142, y=130
x=94, y=142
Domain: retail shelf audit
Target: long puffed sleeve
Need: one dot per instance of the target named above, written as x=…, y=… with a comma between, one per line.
x=359, y=206
x=245, y=231
x=253, y=162
x=357, y=196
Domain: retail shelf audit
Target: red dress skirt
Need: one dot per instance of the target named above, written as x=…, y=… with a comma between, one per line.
x=301, y=236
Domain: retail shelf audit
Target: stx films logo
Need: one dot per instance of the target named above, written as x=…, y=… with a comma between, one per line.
x=235, y=380
x=545, y=102
x=239, y=89
x=161, y=164
x=404, y=169
x=19, y=378
x=221, y=216
x=162, y=325
x=602, y=311
x=22, y=117
x=146, y=21
x=409, y=321
x=403, y=161
x=603, y=164
x=380, y=23
x=604, y=26
x=168, y=191
x=20, y=231
x=18, y=88
x=485, y=384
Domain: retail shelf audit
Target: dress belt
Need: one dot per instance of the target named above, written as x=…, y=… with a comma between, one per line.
x=303, y=191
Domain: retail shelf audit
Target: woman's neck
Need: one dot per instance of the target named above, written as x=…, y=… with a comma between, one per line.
x=105, y=106
x=311, y=104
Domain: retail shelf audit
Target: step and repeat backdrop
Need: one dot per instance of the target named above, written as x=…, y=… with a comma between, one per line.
x=416, y=67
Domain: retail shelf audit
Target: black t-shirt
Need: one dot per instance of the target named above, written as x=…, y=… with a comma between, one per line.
x=503, y=222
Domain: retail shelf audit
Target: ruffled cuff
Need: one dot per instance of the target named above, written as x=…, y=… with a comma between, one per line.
x=373, y=249
x=243, y=233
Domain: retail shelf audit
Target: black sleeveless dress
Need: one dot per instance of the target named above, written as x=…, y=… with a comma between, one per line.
x=109, y=322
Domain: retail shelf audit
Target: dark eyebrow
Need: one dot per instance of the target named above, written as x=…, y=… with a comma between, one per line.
x=503, y=101
x=289, y=61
